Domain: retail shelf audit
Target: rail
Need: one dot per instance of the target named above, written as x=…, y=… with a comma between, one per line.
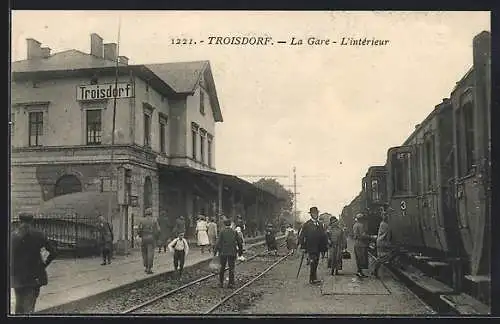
x=234, y=293
x=187, y=285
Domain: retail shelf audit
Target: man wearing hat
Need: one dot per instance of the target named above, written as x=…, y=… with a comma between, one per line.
x=229, y=244
x=361, y=241
x=148, y=231
x=28, y=272
x=313, y=240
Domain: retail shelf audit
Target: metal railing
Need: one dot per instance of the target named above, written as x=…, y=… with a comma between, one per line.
x=69, y=233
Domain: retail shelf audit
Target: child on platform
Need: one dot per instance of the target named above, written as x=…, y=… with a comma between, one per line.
x=180, y=247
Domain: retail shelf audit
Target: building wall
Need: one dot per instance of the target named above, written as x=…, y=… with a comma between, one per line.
x=205, y=121
x=64, y=119
x=178, y=131
x=159, y=103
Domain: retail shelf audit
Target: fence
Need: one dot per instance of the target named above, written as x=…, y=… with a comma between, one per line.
x=68, y=233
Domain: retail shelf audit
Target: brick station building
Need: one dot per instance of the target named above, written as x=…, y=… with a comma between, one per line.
x=163, y=152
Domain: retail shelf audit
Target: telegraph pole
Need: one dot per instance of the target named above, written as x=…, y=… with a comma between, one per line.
x=295, y=216
x=113, y=171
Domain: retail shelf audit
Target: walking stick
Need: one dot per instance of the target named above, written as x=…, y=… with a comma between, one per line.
x=301, y=261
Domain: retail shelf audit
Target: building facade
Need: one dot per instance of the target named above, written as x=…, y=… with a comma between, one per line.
x=161, y=155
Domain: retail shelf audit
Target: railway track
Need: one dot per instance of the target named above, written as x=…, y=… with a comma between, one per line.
x=149, y=305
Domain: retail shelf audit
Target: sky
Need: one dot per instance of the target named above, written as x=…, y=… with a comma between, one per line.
x=330, y=111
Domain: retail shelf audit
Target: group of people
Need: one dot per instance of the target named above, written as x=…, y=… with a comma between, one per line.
x=316, y=239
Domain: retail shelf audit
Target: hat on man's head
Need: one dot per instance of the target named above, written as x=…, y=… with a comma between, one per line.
x=26, y=216
x=313, y=210
x=360, y=215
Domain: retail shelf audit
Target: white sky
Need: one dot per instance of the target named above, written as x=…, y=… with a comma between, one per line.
x=330, y=111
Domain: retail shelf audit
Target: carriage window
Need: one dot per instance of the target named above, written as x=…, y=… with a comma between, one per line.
x=375, y=190
x=468, y=115
x=430, y=161
x=401, y=173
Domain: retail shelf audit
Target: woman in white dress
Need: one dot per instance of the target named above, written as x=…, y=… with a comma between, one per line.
x=202, y=234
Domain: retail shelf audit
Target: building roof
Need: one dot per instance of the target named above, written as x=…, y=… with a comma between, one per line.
x=181, y=77
x=66, y=60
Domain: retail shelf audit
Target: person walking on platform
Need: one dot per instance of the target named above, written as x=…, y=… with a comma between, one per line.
x=291, y=239
x=148, y=231
x=386, y=252
x=313, y=241
x=105, y=239
x=229, y=245
x=337, y=242
x=212, y=234
x=271, y=239
x=201, y=233
x=361, y=241
x=27, y=268
x=180, y=247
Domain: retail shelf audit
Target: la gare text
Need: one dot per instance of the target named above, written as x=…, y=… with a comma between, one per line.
x=292, y=41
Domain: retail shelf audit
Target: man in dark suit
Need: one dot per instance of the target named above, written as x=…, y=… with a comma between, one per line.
x=229, y=244
x=28, y=272
x=313, y=240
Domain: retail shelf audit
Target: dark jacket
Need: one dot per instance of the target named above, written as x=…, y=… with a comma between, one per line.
x=27, y=265
x=313, y=237
x=105, y=235
x=149, y=230
x=229, y=243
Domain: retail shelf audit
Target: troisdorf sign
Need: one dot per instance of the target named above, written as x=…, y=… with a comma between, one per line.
x=104, y=91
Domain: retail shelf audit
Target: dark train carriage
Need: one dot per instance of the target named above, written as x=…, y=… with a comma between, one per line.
x=375, y=196
x=357, y=205
x=403, y=196
x=471, y=138
x=433, y=144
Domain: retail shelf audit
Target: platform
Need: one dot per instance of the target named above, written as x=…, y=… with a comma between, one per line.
x=342, y=294
x=73, y=279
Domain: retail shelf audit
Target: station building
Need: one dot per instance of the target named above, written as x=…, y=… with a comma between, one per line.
x=163, y=154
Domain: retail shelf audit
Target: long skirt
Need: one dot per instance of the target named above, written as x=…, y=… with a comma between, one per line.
x=335, y=257
x=203, y=238
x=361, y=253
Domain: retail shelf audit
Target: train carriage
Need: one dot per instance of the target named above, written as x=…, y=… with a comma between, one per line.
x=471, y=138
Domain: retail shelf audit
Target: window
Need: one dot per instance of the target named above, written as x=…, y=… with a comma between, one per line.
x=401, y=173
x=209, y=150
x=202, y=146
x=202, y=102
x=194, y=135
x=468, y=114
x=163, y=134
x=147, y=130
x=35, y=128
x=430, y=160
x=375, y=190
x=94, y=127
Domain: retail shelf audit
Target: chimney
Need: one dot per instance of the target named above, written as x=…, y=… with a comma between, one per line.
x=123, y=60
x=110, y=52
x=417, y=126
x=34, y=50
x=45, y=52
x=96, y=45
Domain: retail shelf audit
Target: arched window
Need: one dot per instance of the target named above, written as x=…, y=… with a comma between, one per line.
x=148, y=193
x=67, y=184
